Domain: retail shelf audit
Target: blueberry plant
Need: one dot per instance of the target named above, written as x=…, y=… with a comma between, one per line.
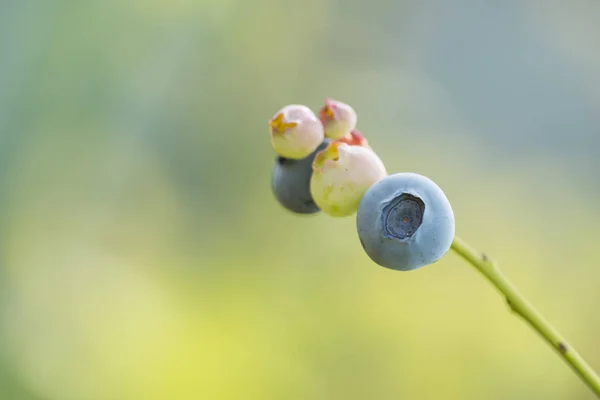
x=404, y=220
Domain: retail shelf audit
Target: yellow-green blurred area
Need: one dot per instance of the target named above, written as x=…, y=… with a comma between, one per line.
x=143, y=256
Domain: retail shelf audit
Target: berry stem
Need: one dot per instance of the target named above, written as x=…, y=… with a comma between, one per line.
x=523, y=308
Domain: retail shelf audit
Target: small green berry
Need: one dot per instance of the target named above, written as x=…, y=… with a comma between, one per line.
x=295, y=132
x=341, y=175
x=338, y=119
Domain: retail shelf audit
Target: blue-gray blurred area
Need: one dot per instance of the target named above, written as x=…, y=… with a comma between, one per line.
x=143, y=256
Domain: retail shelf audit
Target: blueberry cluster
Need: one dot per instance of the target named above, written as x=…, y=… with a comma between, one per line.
x=404, y=220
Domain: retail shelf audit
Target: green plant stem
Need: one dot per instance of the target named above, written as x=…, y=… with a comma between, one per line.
x=523, y=308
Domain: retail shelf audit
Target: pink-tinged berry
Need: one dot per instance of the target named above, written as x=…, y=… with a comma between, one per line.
x=355, y=138
x=295, y=131
x=338, y=119
x=341, y=175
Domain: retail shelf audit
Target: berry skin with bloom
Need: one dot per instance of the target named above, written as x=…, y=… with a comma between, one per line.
x=295, y=131
x=405, y=222
x=341, y=175
x=338, y=119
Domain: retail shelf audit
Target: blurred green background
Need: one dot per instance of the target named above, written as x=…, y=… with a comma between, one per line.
x=142, y=255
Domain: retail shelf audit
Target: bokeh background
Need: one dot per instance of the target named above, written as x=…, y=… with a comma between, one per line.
x=142, y=255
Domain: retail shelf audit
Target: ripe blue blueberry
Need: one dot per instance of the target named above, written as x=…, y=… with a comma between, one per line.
x=405, y=222
x=290, y=182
